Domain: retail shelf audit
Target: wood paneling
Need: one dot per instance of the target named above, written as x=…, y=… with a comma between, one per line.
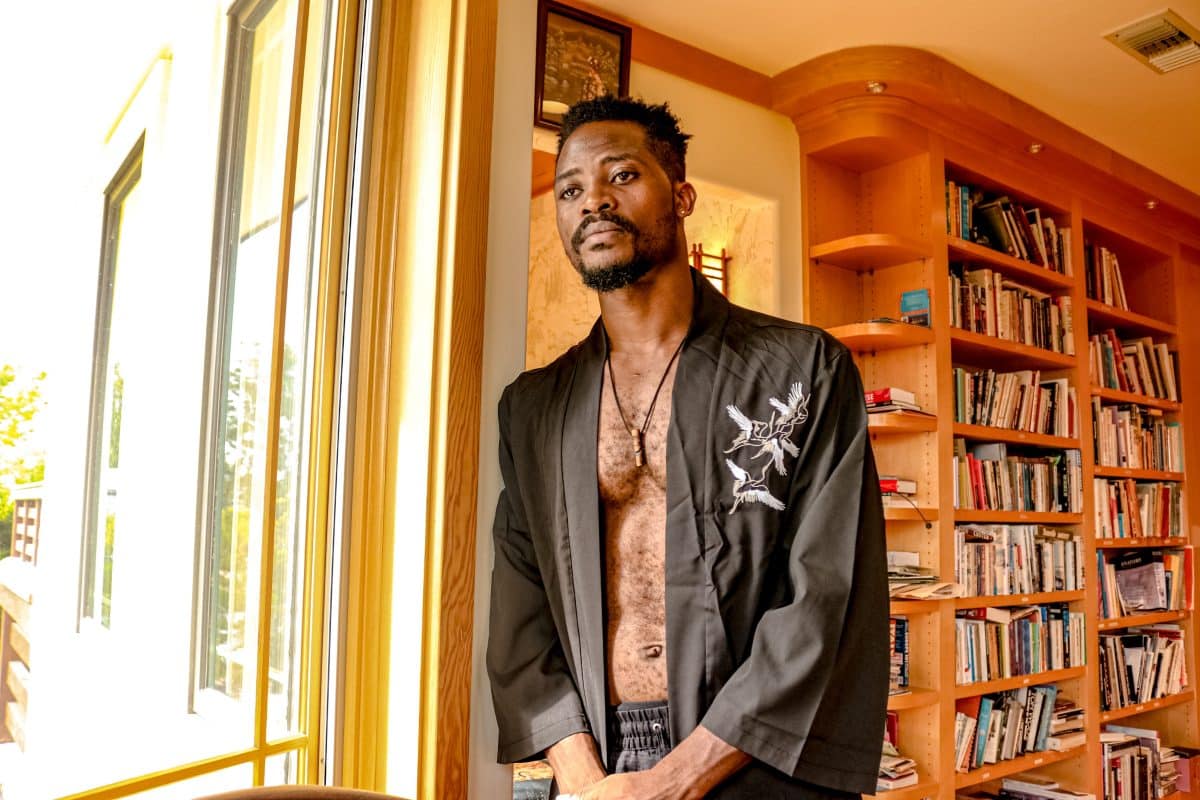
x=451, y=527
x=691, y=63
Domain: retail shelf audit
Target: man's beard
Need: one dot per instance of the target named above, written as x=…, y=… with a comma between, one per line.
x=648, y=252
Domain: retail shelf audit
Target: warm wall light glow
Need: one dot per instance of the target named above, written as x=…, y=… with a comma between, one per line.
x=714, y=266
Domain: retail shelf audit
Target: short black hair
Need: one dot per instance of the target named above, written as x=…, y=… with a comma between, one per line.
x=663, y=137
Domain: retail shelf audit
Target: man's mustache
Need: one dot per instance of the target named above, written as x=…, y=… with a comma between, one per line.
x=603, y=216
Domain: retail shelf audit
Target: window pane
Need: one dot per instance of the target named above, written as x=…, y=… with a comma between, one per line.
x=125, y=233
x=239, y=777
x=239, y=506
x=288, y=580
x=281, y=769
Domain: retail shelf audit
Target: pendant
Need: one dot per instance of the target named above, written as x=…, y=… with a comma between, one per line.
x=639, y=459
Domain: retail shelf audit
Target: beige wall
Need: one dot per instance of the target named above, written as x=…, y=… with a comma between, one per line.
x=561, y=310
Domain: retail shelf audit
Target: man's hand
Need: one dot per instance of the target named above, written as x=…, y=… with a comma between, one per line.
x=689, y=772
x=631, y=786
x=576, y=762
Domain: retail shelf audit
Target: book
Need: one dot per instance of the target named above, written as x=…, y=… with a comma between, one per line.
x=891, y=483
x=890, y=784
x=914, y=307
x=884, y=408
x=889, y=394
x=1141, y=581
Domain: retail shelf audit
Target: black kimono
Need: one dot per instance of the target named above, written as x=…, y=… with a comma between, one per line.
x=776, y=577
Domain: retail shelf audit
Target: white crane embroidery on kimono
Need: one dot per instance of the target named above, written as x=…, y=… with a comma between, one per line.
x=770, y=439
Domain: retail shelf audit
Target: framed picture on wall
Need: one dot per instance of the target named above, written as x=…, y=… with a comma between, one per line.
x=579, y=57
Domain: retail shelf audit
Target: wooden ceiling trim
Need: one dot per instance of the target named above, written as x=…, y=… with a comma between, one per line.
x=954, y=102
x=690, y=62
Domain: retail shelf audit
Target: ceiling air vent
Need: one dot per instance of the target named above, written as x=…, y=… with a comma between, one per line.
x=1163, y=42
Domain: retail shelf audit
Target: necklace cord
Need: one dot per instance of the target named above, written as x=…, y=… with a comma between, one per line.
x=653, y=401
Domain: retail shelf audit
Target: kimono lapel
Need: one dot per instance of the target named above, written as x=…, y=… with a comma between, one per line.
x=694, y=634
x=581, y=494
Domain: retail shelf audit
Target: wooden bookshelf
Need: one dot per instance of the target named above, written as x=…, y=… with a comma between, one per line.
x=1017, y=517
x=1017, y=681
x=1136, y=474
x=1001, y=354
x=908, y=608
x=909, y=514
x=914, y=698
x=1037, y=598
x=987, y=433
x=1101, y=316
x=899, y=422
x=1140, y=541
x=874, y=224
x=869, y=251
x=869, y=337
x=1117, y=396
x=1002, y=769
x=1020, y=271
x=1137, y=620
x=1186, y=696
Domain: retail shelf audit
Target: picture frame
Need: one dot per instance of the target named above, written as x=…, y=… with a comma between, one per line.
x=579, y=56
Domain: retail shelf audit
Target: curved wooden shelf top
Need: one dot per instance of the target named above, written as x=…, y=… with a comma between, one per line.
x=907, y=513
x=913, y=698
x=870, y=337
x=898, y=422
x=905, y=608
x=869, y=251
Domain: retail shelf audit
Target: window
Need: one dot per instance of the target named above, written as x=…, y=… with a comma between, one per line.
x=123, y=232
x=174, y=556
x=243, y=497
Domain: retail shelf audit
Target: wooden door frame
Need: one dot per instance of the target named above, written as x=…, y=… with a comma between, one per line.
x=419, y=362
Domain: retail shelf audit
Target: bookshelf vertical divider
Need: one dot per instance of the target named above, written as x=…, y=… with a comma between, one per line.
x=874, y=173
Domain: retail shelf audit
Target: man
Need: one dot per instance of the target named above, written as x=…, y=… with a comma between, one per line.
x=689, y=596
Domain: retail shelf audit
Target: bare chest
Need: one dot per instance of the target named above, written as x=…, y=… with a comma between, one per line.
x=633, y=421
x=634, y=502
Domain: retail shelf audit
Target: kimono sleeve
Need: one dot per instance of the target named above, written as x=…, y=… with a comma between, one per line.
x=810, y=698
x=535, y=698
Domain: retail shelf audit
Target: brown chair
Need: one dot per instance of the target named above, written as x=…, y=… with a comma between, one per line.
x=299, y=793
